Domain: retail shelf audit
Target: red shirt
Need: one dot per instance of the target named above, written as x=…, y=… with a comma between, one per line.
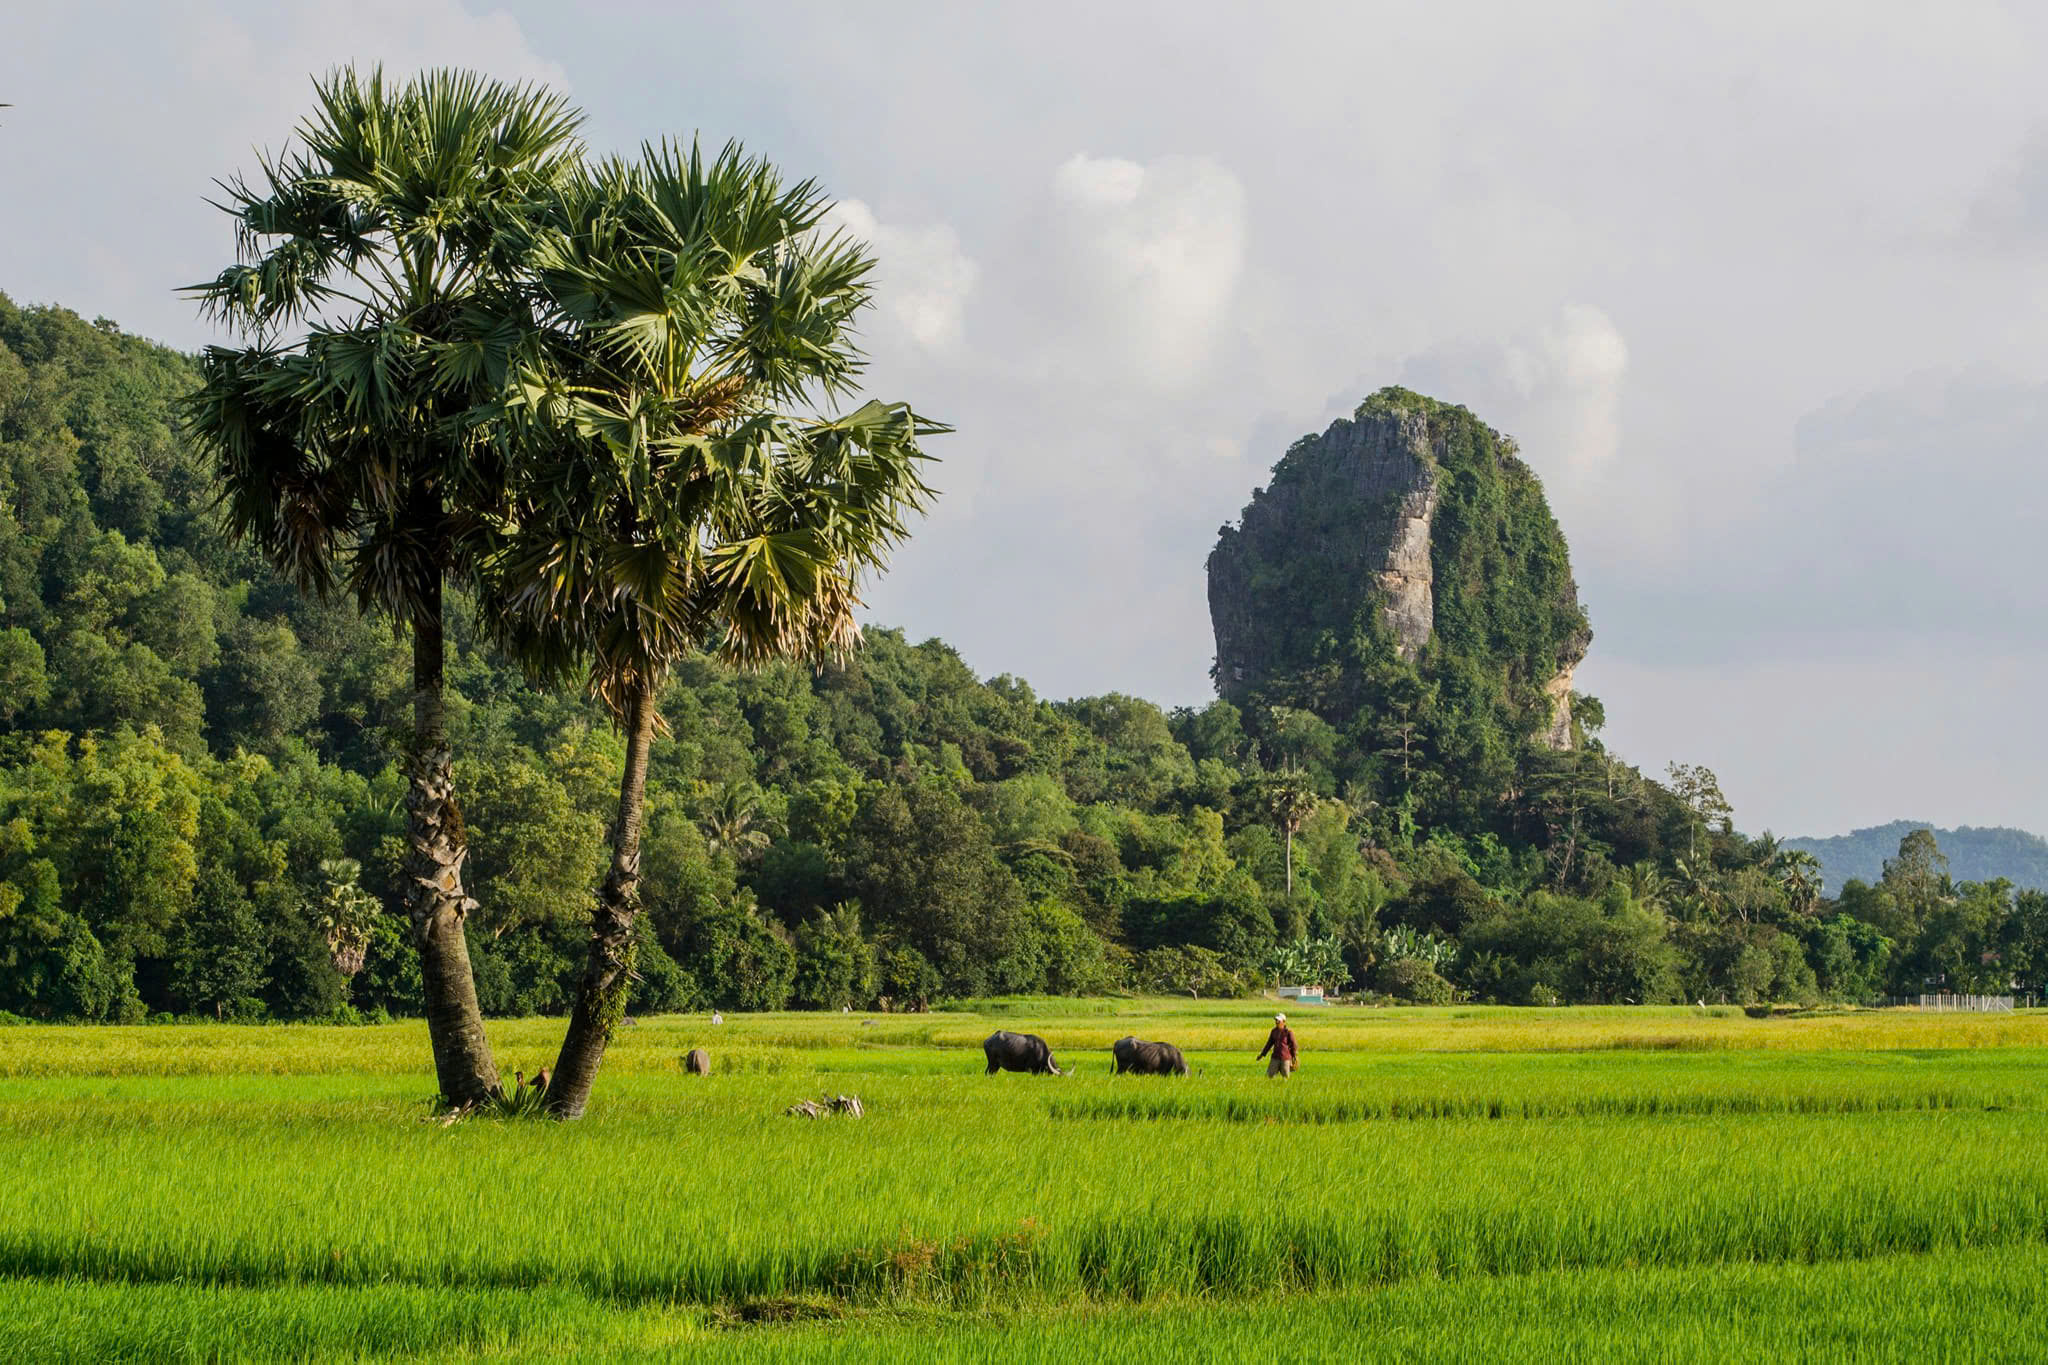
x=1280, y=1042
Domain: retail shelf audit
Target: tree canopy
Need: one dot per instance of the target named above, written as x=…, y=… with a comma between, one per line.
x=886, y=825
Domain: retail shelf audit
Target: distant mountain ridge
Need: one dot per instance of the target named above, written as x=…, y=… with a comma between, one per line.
x=1975, y=853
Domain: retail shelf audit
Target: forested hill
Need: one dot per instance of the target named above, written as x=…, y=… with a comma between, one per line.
x=1402, y=569
x=199, y=781
x=1975, y=854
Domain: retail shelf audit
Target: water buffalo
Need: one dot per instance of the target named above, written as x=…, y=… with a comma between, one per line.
x=1141, y=1058
x=1009, y=1051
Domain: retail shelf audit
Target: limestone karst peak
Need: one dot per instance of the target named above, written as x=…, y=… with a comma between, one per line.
x=1408, y=538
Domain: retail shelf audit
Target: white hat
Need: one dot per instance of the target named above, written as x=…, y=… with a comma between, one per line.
x=1279, y=1018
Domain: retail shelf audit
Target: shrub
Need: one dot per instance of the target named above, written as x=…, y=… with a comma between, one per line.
x=350, y=1017
x=1189, y=970
x=835, y=966
x=528, y=973
x=1406, y=978
x=741, y=963
x=660, y=984
x=1605, y=951
x=51, y=965
x=390, y=979
x=908, y=978
x=1749, y=979
x=1075, y=959
x=1232, y=924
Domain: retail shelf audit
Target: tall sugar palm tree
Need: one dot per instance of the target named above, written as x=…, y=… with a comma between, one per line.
x=683, y=481
x=375, y=289
x=1289, y=801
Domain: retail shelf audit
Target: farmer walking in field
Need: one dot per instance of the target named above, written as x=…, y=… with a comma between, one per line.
x=1280, y=1042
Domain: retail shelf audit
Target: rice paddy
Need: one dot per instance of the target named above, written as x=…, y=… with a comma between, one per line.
x=1606, y=1183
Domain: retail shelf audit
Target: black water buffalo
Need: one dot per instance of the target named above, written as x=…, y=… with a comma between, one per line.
x=1009, y=1051
x=1141, y=1058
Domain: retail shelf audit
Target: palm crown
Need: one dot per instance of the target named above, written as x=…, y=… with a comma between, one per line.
x=673, y=490
x=352, y=452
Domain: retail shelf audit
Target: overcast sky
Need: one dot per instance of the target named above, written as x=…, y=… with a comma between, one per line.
x=1759, y=288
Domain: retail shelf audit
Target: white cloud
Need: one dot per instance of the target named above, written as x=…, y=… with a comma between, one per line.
x=2011, y=212
x=1909, y=514
x=1117, y=281
x=183, y=95
x=1153, y=252
x=1108, y=181
x=923, y=276
x=1557, y=389
x=1583, y=360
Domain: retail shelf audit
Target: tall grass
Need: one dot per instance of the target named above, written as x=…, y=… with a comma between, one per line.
x=85, y=1321
x=289, y=1180
x=1970, y=1305
x=960, y=1191
x=655, y=1045
x=1908, y=1309
x=1360, y=1109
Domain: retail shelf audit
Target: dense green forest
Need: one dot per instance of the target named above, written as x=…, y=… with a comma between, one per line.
x=1975, y=853
x=201, y=803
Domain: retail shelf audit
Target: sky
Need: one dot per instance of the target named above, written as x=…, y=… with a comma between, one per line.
x=1758, y=287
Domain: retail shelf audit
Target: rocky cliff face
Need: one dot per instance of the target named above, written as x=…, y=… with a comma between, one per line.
x=1408, y=534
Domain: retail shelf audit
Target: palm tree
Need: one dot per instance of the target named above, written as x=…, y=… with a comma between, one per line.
x=1700, y=886
x=1647, y=886
x=348, y=914
x=1801, y=875
x=1289, y=801
x=732, y=821
x=667, y=495
x=352, y=454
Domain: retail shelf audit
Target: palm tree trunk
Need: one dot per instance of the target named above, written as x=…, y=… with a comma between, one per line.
x=1290, y=864
x=436, y=845
x=601, y=995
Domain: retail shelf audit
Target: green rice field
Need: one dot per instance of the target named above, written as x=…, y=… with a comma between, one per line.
x=1625, y=1183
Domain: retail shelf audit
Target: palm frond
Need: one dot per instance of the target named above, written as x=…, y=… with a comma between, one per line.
x=382, y=230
